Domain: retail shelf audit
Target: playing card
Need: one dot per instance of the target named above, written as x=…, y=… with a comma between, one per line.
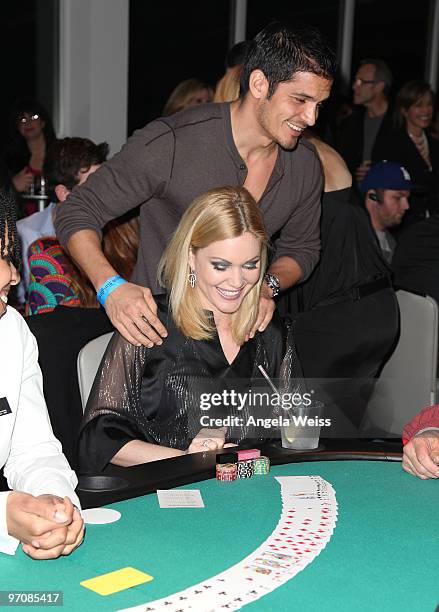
x=306, y=523
x=180, y=498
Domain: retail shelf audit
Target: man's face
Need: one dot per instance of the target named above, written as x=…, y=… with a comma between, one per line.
x=365, y=87
x=392, y=207
x=293, y=107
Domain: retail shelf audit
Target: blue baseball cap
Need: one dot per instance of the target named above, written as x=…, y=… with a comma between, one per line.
x=387, y=175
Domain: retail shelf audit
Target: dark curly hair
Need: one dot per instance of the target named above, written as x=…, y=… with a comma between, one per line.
x=67, y=157
x=8, y=228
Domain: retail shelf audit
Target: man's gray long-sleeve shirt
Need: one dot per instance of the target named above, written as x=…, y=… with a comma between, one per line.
x=172, y=160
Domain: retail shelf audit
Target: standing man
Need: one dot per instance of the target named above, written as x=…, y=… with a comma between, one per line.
x=254, y=142
x=371, y=121
x=386, y=189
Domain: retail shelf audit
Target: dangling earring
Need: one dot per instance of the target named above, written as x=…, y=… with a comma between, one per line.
x=192, y=278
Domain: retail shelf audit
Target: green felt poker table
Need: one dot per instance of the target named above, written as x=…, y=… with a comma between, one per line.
x=383, y=554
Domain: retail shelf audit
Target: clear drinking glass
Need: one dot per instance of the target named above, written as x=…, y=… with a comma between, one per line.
x=303, y=430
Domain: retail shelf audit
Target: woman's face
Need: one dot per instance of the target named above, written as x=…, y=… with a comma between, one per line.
x=226, y=271
x=420, y=113
x=30, y=125
x=8, y=276
x=201, y=96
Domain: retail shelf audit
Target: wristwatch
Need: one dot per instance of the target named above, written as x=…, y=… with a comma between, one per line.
x=274, y=284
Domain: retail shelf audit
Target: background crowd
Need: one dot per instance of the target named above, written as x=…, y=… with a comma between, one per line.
x=230, y=236
x=379, y=229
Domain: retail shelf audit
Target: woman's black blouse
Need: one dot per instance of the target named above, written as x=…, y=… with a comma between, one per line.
x=154, y=394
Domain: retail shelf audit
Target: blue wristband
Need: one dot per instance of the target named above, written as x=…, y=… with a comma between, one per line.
x=110, y=285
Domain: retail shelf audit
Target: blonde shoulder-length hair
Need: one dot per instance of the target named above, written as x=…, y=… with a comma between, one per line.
x=219, y=214
x=227, y=89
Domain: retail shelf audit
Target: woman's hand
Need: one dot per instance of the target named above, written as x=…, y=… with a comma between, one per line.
x=23, y=180
x=208, y=440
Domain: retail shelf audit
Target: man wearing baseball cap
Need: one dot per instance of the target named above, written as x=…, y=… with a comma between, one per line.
x=386, y=188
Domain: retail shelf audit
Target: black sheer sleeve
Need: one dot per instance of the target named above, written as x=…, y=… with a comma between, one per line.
x=282, y=361
x=115, y=400
x=274, y=339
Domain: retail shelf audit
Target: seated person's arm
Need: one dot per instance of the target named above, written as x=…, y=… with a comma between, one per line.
x=116, y=426
x=421, y=439
x=137, y=451
x=38, y=469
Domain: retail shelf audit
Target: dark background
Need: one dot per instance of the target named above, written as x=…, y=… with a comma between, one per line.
x=172, y=41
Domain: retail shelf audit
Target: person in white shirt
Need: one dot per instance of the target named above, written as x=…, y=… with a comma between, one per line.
x=41, y=511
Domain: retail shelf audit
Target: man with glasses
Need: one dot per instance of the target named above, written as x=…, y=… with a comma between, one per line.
x=370, y=122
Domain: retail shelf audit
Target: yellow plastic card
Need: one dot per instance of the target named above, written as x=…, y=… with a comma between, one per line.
x=113, y=582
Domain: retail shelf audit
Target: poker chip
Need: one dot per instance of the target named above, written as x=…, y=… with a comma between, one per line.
x=249, y=453
x=245, y=468
x=226, y=472
x=261, y=466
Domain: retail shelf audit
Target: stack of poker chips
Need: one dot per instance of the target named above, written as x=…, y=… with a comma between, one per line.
x=242, y=464
x=227, y=467
x=261, y=466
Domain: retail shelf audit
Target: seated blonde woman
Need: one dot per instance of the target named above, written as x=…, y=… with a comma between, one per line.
x=145, y=403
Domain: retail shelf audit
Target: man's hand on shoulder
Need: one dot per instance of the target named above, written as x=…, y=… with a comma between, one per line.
x=133, y=312
x=421, y=455
x=267, y=307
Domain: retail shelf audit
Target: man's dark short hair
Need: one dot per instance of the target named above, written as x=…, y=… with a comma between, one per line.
x=281, y=51
x=67, y=157
x=382, y=72
x=236, y=55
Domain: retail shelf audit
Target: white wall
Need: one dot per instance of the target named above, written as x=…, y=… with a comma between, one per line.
x=93, y=70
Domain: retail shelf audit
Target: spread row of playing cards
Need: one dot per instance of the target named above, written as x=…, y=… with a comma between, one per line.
x=306, y=524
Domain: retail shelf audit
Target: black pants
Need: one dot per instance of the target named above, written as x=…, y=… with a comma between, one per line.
x=346, y=345
x=61, y=334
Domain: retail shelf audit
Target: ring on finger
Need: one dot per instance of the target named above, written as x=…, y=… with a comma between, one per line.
x=206, y=443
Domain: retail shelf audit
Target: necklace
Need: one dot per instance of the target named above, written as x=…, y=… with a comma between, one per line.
x=421, y=143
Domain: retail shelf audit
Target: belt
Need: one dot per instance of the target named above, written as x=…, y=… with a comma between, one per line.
x=357, y=293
